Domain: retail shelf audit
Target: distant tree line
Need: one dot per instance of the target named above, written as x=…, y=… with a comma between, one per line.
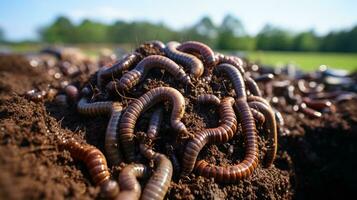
x=229, y=35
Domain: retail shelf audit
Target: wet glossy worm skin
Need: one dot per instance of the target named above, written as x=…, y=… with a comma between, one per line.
x=259, y=99
x=317, y=104
x=222, y=59
x=117, y=68
x=271, y=127
x=246, y=167
x=138, y=106
x=189, y=61
x=130, y=188
x=95, y=162
x=131, y=78
x=224, y=132
x=258, y=116
x=252, y=86
x=264, y=78
x=236, y=78
x=102, y=108
x=205, y=51
x=111, y=136
x=208, y=99
x=155, y=122
x=158, y=184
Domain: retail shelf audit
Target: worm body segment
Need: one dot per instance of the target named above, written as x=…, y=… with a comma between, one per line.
x=199, y=48
x=130, y=188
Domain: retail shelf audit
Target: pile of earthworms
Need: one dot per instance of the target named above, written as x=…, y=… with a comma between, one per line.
x=117, y=90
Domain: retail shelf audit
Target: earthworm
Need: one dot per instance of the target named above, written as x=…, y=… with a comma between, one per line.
x=252, y=86
x=131, y=78
x=224, y=132
x=259, y=99
x=155, y=122
x=317, y=104
x=309, y=111
x=129, y=186
x=264, y=78
x=102, y=108
x=111, y=136
x=95, y=162
x=116, y=69
x=222, y=59
x=159, y=182
x=208, y=99
x=258, y=116
x=250, y=162
x=270, y=126
x=199, y=48
x=236, y=78
x=194, y=64
x=138, y=106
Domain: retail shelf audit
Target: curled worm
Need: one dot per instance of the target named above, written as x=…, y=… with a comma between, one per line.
x=237, y=63
x=130, y=188
x=236, y=78
x=101, y=108
x=95, y=162
x=155, y=122
x=131, y=78
x=259, y=99
x=199, y=48
x=250, y=162
x=258, y=116
x=186, y=60
x=221, y=134
x=208, y=99
x=159, y=182
x=117, y=68
x=271, y=127
x=252, y=86
x=138, y=106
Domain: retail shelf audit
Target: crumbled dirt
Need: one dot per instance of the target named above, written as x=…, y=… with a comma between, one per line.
x=316, y=159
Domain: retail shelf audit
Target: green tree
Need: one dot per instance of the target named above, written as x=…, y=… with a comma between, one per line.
x=306, y=41
x=91, y=32
x=203, y=31
x=2, y=35
x=273, y=38
x=62, y=30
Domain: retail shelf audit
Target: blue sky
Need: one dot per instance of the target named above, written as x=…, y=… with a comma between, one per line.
x=22, y=19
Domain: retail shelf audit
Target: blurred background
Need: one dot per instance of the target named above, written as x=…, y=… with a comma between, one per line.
x=276, y=33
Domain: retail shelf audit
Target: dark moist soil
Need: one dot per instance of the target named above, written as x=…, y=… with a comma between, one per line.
x=316, y=159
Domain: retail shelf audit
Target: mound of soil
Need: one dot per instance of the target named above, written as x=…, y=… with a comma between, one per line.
x=315, y=159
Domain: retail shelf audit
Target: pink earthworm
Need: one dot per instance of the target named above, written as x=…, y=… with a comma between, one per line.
x=131, y=78
x=155, y=122
x=208, y=99
x=237, y=63
x=252, y=86
x=189, y=61
x=235, y=77
x=138, y=106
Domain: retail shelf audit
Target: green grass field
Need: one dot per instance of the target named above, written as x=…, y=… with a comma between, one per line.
x=305, y=60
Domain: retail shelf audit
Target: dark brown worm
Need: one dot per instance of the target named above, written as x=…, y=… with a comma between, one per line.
x=155, y=122
x=222, y=59
x=258, y=116
x=159, y=182
x=309, y=111
x=317, y=104
x=264, y=78
x=205, y=51
x=236, y=78
x=131, y=78
x=95, y=162
x=189, y=61
x=116, y=69
x=252, y=86
x=271, y=128
x=208, y=99
x=250, y=162
x=259, y=99
x=111, y=136
x=224, y=132
x=129, y=186
x=138, y=106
